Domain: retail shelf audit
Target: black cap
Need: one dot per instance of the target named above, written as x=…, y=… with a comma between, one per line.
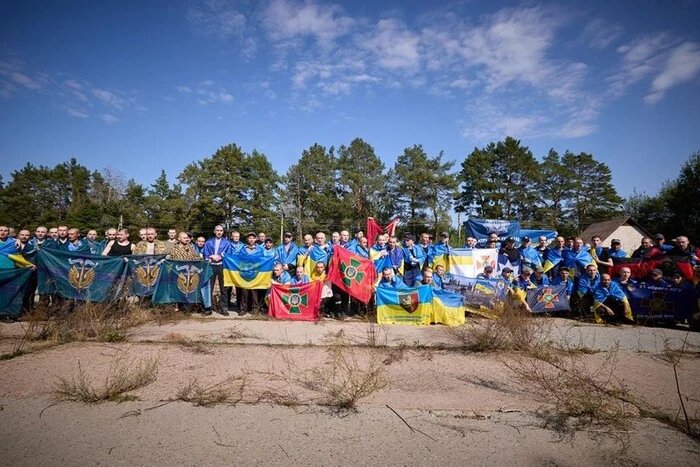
x=408, y=236
x=357, y=231
x=445, y=234
x=289, y=234
x=526, y=239
x=269, y=239
x=488, y=268
x=659, y=237
x=657, y=272
x=506, y=269
x=510, y=240
x=251, y=234
x=615, y=241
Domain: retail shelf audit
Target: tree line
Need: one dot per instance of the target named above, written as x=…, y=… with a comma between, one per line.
x=330, y=189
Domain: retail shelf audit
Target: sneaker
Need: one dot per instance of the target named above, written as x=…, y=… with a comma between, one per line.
x=207, y=313
x=224, y=313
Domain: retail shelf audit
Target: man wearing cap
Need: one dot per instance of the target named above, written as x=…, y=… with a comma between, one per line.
x=507, y=275
x=214, y=250
x=443, y=246
x=269, y=247
x=656, y=280
x=521, y=285
x=660, y=243
x=616, y=250
x=287, y=252
x=487, y=274
x=538, y=277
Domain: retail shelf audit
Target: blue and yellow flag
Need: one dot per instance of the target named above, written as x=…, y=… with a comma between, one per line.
x=447, y=308
x=405, y=306
x=248, y=271
x=79, y=276
x=13, y=283
x=183, y=282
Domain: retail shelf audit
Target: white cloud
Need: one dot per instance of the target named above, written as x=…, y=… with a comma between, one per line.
x=225, y=97
x=184, y=89
x=289, y=19
x=219, y=18
x=109, y=98
x=682, y=65
x=71, y=83
x=77, y=113
x=393, y=45
x=25, y=81
x=599, y=33
x=109, y=119
x=639, y=59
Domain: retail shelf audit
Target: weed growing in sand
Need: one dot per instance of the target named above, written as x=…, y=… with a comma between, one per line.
x=349, y=375
x=515, y=329
x=229, y=391
x=581, y=395
x=186, y=343
x=124, y=375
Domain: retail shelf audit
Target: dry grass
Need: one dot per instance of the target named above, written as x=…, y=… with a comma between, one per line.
x=515, y=329
x=230, y=391
x=186, y=343
x=107, y=322
x=350, y=374
x=124, y=375
x=579, y=393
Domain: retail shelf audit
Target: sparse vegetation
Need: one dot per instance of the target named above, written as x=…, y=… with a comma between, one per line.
x=124, y=375
x=186, y=343
x=229, y=391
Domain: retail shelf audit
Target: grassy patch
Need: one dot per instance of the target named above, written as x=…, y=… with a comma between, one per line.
x=124, y=375
x=186, y=343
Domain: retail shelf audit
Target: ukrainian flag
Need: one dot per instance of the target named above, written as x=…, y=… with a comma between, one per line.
x=447, y=308
x=411, y=305
x=248, y=271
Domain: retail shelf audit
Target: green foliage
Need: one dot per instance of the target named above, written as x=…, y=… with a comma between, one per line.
x=362, y=181
x=498, y=182
x=230, y=188
x=674, y=210
x=421, y=189
x=311, y=196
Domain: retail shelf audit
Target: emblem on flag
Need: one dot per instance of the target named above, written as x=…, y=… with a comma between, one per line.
x=83, y=277
x=408, y=301
x=294, y=301
x=548, y=298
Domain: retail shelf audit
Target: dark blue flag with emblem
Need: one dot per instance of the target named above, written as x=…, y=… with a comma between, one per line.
x=79, y=276
x=548, y=298
x=13, y=282
x=183, y=282
x=662, y=302
x=143, y=271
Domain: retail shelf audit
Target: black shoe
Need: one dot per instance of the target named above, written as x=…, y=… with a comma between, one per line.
x=224, y=313
x=207, y=313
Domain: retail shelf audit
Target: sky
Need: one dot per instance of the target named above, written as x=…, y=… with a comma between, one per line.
x=145, y=86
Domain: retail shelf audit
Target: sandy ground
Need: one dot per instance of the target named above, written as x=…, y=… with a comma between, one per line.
x=462, y=408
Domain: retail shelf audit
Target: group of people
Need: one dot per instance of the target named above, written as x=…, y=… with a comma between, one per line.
x=409, y=261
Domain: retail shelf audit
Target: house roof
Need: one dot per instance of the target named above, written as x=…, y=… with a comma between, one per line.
x=606, y=228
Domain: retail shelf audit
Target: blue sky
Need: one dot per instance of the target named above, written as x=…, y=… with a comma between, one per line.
x=144, y=86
